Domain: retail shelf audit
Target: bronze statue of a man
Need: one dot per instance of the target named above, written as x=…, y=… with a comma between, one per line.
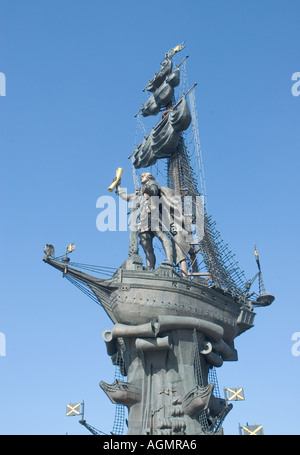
x=147, y=227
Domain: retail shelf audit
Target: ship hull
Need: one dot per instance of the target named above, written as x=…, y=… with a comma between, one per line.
x=139, y=296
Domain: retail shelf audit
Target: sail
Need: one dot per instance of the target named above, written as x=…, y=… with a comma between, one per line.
x=158, y=79
x=163, y=139
x=162, y=96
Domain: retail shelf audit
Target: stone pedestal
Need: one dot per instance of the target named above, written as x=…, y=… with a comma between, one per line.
x=167, y=390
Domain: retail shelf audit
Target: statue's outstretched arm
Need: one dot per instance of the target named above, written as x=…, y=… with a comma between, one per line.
x=123, y=194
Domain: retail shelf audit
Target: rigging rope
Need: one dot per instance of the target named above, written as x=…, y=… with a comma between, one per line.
x=82, y=287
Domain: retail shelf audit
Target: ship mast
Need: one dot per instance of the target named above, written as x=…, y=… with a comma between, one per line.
x=208, y=255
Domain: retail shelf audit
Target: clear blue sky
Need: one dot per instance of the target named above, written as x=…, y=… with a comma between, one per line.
x=75, y=71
